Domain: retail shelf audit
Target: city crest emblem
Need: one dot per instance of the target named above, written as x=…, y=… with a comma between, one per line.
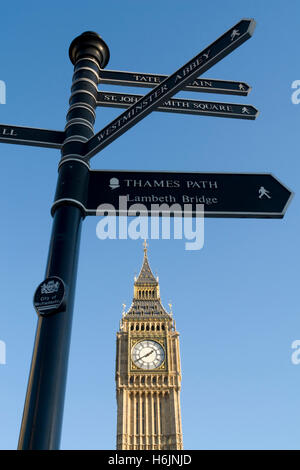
x=50, y=287
x=50, y=296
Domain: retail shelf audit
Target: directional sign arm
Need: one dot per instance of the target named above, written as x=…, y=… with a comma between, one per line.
x=212, y=54
x=151, y=80
x=181, y=106
x=246, y=195
x=31, y=136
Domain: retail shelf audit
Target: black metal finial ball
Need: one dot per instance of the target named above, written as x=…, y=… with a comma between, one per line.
x=91, y=44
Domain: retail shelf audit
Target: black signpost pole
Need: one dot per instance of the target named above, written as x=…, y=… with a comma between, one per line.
x=43, y=410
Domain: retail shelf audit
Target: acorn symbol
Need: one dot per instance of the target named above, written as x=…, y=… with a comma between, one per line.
x=114, y=183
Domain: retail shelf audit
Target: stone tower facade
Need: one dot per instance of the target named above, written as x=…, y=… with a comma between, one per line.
x=148, y=374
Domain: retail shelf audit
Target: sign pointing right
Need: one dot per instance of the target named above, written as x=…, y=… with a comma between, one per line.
x=246, y=195
x=151, y=80
x=182, y=106
x=212, y=54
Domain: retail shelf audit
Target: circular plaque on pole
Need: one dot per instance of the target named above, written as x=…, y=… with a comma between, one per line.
x=49, y=298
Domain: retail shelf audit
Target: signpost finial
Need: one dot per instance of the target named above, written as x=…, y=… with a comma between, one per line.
x=89, y=44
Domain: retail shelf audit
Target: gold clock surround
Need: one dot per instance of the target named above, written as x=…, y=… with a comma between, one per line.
x=160, y=341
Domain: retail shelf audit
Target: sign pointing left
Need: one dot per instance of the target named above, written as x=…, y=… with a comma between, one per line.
x=31, y=136
x=212, y=54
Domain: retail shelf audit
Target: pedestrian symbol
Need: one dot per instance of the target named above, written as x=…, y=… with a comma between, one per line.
x=235, y=33
x=263, y=192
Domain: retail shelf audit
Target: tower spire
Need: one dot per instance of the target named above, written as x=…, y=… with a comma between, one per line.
x=146, y=297
x=146, y=276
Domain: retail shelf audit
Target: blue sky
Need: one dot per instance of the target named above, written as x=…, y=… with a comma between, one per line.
x=236, y=301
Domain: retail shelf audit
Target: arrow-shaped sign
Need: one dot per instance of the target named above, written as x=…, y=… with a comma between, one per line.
x=182, y=106
x=212, y=54
x=248, y=195
x=31, y=136
x=151, y=80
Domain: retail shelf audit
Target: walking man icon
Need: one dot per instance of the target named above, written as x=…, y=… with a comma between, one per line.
x=263, y=192
x=235, y=33
x=245, y=110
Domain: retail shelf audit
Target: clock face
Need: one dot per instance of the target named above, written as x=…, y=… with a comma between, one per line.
x=147, y=354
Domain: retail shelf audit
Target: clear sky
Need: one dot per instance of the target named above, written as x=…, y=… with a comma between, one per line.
x=236, y=301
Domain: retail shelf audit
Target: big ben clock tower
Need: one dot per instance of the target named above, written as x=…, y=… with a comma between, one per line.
x=148, y=376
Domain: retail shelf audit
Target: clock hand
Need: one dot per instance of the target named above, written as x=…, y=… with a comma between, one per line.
x=148, y=354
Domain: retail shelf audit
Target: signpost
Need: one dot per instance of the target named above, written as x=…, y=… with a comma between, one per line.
x=150, y=80
x=248, y=195
x=80, y=191
x=208, y=57
x=181, y=106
